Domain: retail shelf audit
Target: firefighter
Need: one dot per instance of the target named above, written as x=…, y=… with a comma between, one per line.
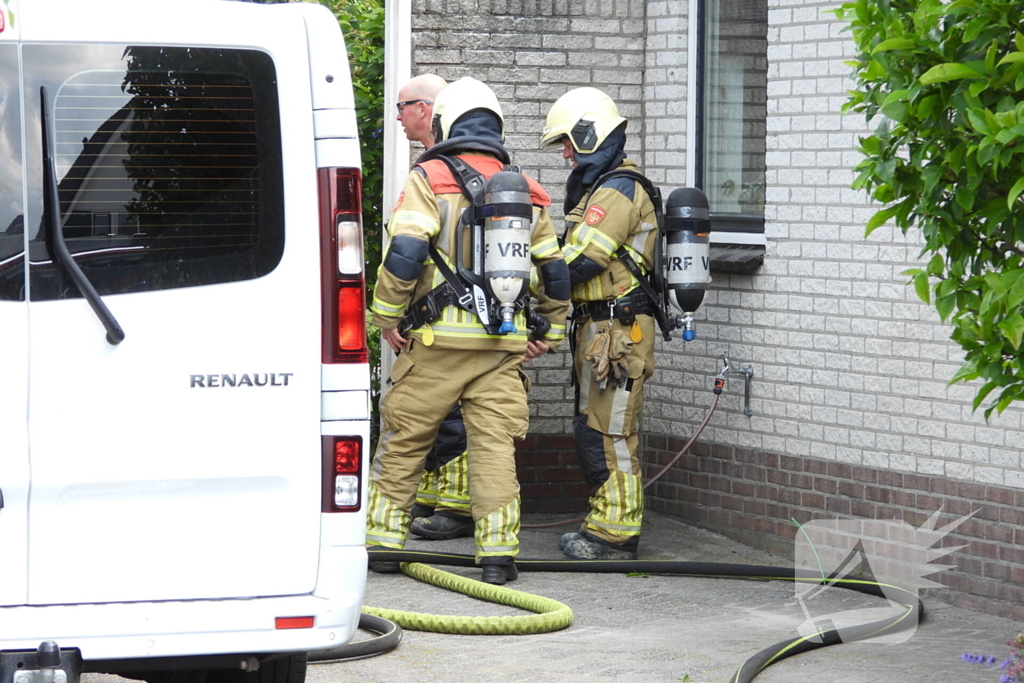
x=609, y=245
x=444, y=480
x=448, y=355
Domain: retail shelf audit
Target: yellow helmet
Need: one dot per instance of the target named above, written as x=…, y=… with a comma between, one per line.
x=461, y=97
x=586, y=116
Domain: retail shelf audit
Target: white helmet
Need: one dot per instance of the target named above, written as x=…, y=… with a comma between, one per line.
x=586, y=116
x=461, y=97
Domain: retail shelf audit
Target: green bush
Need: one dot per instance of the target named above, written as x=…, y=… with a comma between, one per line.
x=943, y=81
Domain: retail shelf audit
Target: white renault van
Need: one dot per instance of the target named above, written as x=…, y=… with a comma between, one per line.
x=184, y=385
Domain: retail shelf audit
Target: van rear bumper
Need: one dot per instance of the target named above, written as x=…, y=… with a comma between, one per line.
x=109, y=631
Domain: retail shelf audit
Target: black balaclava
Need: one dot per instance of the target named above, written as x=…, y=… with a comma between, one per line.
x=478, y=130
x=592, y=165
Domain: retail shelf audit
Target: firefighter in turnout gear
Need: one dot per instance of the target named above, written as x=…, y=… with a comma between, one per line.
x=443, y=486
x=449, y=353
x=609, y=245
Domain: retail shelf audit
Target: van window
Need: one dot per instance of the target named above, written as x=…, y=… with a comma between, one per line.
x=12, y=220
x=169, y=166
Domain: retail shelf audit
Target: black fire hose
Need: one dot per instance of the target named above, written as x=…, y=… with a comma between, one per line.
x=388, y=638
x=913, y=608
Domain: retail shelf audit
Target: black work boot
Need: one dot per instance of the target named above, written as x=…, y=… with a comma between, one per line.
x=442, y=526
x=590, y=547
x=571, y=536
x=421, y=510
x=498, y=570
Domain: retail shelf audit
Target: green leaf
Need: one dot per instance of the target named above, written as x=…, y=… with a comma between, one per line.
x=966, y=373
x=945, y=305
x=1012, y=58
x=931, y=176
x=878, y=219
x=894, y=44
x=875, y=71
x=951, y=71
x=1013, y=329
x=926, y=106
x=1015, y=191
x=897, y=111
x=937, y=265
x=964, y=197
x=922, y=288
x=979, y=121
x=886, y=169
x=982, y=393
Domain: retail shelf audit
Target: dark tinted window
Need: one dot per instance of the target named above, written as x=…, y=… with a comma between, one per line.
x=12, y=220
x=169, y=166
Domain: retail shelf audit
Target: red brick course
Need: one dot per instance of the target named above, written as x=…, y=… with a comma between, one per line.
x=752, y=498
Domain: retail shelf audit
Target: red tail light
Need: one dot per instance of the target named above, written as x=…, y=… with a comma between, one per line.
x=342, y=473
x=341, y=266
x=294, y=622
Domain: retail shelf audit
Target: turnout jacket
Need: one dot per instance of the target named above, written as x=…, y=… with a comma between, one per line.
x=428, y=211
x=618, y=213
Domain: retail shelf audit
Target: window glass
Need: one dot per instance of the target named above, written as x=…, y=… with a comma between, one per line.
x=12, y=219
x=168, y=164
x=735, y=84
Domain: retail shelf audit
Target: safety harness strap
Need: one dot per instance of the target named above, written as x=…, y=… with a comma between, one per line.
x=454, y=291
x=652, y=283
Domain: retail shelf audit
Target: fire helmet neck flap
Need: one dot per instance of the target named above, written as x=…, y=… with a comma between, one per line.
x=460, y=98
x=586, y=116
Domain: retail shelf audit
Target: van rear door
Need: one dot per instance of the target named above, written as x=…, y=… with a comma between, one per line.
x=13, y=330
x=186, y=178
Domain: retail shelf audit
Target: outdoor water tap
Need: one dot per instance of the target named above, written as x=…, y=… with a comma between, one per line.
x=748, y=375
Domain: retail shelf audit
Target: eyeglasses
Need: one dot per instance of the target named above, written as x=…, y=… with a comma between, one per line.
x=408, y=102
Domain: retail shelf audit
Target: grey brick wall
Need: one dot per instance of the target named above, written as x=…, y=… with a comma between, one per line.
x=850, y=365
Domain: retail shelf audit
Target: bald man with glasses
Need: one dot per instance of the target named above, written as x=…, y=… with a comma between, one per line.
x=416, y=107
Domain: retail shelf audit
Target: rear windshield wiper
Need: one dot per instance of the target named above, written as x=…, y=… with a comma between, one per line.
x=51, y=209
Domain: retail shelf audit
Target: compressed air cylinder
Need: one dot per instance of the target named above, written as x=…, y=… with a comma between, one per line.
x=687, y=253
x=507, y=227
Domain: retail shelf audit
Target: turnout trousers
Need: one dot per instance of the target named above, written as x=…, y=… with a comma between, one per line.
x=605, y=433
x=426, y=382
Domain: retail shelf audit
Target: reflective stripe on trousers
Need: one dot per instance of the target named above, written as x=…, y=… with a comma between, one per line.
x=617, y=508
x=498, y=533
x=453, y=485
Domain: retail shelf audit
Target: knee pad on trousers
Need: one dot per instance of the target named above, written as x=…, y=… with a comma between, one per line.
x=590, y=452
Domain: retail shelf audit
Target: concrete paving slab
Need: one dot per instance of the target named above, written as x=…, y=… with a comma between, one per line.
x=663, y=628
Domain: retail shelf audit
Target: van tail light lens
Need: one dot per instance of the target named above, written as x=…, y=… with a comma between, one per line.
x=294, y=622
x=342, y=473
x=343, y=282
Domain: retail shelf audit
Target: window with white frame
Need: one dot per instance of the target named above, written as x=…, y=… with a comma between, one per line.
x=731, y=108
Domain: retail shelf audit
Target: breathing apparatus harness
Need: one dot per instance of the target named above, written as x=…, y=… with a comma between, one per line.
x=685, y=230
x=496, y=285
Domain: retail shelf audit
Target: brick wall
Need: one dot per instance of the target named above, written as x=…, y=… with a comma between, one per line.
x=752, y=496
x=852, y=415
